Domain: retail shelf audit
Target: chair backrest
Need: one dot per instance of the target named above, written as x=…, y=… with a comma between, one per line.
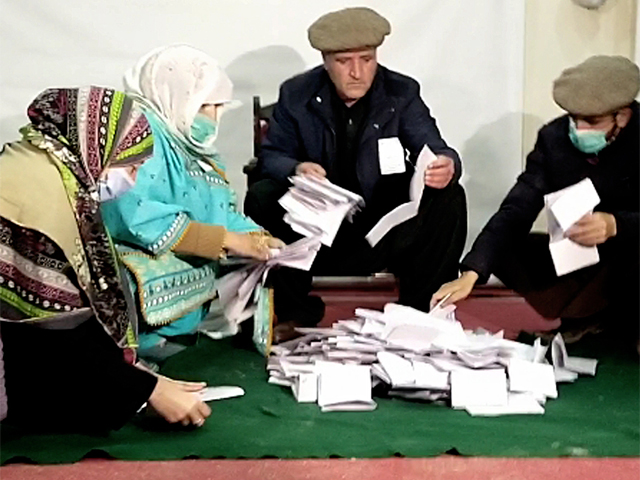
x=261, y=117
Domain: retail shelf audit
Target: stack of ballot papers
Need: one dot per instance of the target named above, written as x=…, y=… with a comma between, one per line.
x=405, y=353
x=237, y=290
x=315, y=207
x=564, y=208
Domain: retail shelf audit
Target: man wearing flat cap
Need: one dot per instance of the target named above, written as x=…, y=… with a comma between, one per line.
x=333, y=121
x=596, y=139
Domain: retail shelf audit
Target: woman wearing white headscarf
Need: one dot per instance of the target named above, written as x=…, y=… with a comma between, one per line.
x=177, y=217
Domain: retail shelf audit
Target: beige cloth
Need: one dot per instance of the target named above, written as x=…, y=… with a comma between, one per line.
x=33, y=196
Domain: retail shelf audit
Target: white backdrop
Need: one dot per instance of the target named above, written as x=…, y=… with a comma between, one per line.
x=468, y=57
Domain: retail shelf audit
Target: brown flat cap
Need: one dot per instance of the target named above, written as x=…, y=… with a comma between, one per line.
x=348, y=29
x=599, y=85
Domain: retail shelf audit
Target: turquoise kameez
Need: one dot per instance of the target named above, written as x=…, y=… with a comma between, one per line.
x=171, y=189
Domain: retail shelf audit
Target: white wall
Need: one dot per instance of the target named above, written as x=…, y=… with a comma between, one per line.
x=466, y=54
x=560, y=34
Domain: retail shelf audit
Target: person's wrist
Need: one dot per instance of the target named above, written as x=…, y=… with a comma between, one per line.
x=228, y=242
x=470, y=276
x=612, y=227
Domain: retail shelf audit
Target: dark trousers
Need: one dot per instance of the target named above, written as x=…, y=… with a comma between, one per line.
x=609, y=288
x=423, y=253
x=70, y=380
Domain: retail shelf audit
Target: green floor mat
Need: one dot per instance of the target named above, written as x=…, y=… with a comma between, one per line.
x=593, y=417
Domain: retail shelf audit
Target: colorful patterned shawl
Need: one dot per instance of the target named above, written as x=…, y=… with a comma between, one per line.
x=86, y=130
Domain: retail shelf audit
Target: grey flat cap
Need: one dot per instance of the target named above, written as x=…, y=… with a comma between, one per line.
x=348, y=29
x=599, y=85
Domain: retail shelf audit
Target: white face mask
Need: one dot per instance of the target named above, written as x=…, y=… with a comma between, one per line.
x=115, y=182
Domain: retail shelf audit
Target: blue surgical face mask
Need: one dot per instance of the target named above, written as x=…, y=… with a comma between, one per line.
x=588, y=141
x=204, y=129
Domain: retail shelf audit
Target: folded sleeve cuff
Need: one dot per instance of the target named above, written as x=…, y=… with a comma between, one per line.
x=201, y=240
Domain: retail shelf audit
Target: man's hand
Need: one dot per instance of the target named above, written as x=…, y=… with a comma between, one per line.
x=310, y=168
x=593, y=229
x=178, y=402
x=439, y=172
x=458, y=289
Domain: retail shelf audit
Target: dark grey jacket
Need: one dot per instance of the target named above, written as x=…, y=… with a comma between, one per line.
x=302, y=129
x=554, y=164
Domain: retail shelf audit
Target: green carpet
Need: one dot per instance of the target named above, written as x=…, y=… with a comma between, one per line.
x=593, y=417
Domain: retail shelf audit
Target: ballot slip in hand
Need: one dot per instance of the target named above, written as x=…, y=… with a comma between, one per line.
x=564, y=208
x=210, y=394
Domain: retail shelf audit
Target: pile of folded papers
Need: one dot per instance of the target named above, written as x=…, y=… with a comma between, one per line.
x=405, y=353
x=315, y=207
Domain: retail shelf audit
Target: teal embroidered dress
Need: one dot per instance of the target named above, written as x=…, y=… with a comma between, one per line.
x=171, y=189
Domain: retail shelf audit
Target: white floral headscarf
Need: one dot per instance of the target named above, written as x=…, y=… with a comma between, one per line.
x=174, y=82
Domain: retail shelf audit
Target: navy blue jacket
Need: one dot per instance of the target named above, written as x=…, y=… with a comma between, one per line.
x=554, y=164
x=302, y=129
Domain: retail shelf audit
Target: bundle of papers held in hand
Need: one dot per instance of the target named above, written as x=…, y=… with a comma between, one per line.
x=237, y=289
x=317, y=207
x=405, y=353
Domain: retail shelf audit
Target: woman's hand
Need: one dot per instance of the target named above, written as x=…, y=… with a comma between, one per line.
x=274, y=242
x=251, y=245
x=457, y=290
x=178, y=401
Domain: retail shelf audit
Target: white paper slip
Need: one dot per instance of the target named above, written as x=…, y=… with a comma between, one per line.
x=534, y=378
x=478, y=388
x=219, y=393
x=399, y=370
x=338, y=383
x=569, y=256
x=585, y=366
x=558, y=351
x=425, y=158
x=305, y=388
x=395, y=217
x=282, y=381
x=429, y=377
x=517, y=404
x=562, y=375
x=539, y=351
x=391, y=156
x=572, y=203
x=350, y=407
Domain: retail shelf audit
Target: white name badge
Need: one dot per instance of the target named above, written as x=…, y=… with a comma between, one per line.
x=391, y=156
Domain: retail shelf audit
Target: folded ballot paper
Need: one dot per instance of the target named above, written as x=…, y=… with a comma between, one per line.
x=238, y=290
x=315, y=207
x=564, y=208
x=408, y=354
x=408, y=210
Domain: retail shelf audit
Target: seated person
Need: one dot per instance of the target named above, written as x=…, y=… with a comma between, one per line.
x=67, y=326
x=177, y=216
x=328, y=122
x=596, y=139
